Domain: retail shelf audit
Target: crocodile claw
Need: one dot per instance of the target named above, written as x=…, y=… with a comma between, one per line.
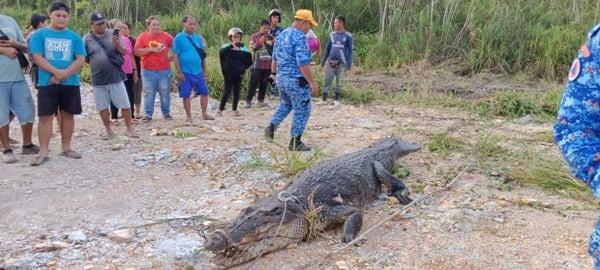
x=402, y=196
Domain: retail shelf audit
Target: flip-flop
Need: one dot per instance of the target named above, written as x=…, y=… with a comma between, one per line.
x=208, y=117
x=132, y=135
x=70, y=154
x=39, y=161
x=106, y=137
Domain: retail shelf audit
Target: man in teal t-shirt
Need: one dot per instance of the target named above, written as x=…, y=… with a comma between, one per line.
x=59, y=54
x=190, y=67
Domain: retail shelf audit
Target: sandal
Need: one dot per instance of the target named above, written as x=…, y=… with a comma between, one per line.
x=39, y=161
x=208, y=117
x=132, y=134
x=70, y=154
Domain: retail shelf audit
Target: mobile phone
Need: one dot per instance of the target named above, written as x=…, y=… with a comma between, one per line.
x=116, y=32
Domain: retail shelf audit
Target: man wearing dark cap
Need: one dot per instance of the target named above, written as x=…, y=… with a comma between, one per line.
x=59, y=53
x=105, y=56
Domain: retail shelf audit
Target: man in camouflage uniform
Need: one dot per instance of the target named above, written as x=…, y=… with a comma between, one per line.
x=294, y=78
x=577, y=129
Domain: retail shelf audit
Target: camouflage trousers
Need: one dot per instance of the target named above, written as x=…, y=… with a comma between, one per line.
x=292, y=98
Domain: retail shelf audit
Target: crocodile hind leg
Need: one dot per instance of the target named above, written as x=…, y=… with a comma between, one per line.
x=352, y=217
x=396, y=186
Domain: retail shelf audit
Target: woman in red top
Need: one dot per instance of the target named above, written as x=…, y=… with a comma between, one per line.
x=153, y=46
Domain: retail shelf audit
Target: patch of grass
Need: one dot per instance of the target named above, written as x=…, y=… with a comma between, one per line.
x=426, y=98
x=183, y=134
x=291, y=163
x=543, y=136
x=532, y=169
x=444, y=144
x=358, y=96
x=402, y=172
x=511, y=104
x=488, y=146
x=288, y=163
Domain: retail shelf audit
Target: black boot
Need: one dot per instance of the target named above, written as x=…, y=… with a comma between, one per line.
x=270, y=132
x=297, y=145
x=324, y=98
x=337, y=96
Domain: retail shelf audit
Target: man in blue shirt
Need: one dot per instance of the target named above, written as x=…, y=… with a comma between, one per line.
x=337, y=58
x=294, y=78
x=577, y=129
x=191, y=69
x=59, y=53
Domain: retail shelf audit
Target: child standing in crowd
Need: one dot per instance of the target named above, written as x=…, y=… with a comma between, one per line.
x=261, y=67
x=235, y=60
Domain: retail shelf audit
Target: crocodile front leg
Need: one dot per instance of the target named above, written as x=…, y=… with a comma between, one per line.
x=395, y=185
x=352, y=217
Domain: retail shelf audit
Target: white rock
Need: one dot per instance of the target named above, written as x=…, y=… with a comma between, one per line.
x=121, y=236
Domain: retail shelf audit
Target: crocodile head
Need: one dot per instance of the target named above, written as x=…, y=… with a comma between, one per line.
x=257, y=231
x=398, y=147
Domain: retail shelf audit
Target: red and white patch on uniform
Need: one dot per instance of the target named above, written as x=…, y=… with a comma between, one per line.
x=574, y=70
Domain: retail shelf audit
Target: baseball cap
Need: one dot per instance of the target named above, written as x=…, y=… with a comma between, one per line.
x=306, y=15
x=97, y=18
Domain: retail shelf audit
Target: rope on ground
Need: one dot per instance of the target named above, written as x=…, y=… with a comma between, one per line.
x=167, y=220
x=390, y=217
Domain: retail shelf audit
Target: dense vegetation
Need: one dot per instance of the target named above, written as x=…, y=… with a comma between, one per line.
x=538, y=38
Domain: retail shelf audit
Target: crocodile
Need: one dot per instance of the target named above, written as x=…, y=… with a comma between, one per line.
x=331, y=192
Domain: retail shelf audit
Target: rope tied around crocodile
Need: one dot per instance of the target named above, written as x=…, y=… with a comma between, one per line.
x=283, y=196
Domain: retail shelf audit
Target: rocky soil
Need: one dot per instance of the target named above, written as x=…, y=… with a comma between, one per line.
x=88, y=213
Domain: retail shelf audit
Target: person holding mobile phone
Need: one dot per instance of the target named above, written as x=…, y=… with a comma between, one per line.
x=153, y=46
x=105, y=55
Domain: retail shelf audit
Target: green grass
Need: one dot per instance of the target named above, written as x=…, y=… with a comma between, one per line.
x=488, y=145
x=515, y=104
x=359, y=95
x=534, y=169
x=288, y=163
x=444, y=144
x=183, y=133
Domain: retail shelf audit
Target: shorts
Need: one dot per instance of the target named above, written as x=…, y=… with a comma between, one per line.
x=193, y=82
x=51, y=98
x=15, y=98
x=115, y=93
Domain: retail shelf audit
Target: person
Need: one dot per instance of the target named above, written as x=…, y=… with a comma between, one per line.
x=235, y=59
x=129, y=67
x=275, y=20
x=137, y=84
x=59, y=53
x=105, y=52
x=14, y=91
x=294, y=78
x=36, y=22
x=577, y=128
x=261, y=67
x=274, y=31
x=153, y=46
x=188, y=56
x=336, y=59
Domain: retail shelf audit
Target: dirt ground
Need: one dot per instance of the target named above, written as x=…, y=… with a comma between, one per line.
x=58, y=216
